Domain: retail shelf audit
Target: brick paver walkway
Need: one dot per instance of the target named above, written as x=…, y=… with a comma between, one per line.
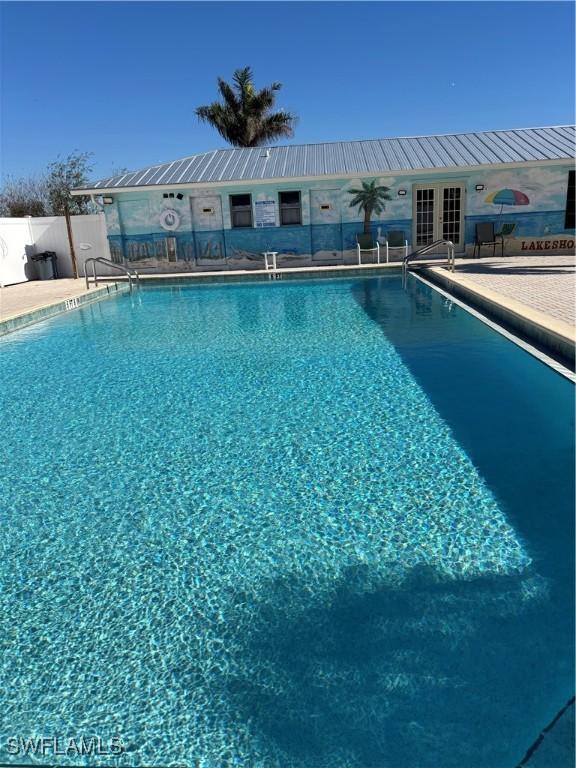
x=545, y=283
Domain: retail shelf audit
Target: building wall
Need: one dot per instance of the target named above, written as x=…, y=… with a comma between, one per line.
x=144, y=231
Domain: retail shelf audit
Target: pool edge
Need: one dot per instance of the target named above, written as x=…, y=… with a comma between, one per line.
x=16, y=322
x=540, y=354
x=555, y=337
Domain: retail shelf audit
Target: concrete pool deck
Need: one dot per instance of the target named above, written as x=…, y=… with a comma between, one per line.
x=27, y=303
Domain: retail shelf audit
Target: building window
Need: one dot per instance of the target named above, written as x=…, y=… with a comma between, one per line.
x=569, y=220
x=241, y=210
x=290, y=208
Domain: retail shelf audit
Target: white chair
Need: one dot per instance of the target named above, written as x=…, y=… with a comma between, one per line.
x=365, y=242
x=272, y=263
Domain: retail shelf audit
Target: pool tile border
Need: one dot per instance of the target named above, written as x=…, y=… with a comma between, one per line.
x=262, y=275
x=16, y=322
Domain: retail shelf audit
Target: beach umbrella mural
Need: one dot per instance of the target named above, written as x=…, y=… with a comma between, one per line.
x=507, y=197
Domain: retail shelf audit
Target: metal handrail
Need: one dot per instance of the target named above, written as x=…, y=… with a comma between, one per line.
x=101, y=260
x=429, y=247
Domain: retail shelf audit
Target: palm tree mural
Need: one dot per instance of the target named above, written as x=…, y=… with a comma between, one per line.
x=370, y=199
x=245, y=116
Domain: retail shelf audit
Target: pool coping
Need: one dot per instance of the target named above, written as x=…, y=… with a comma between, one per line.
x=20, y=320
x=258, y=275
x=223, y=274
x=551, y=334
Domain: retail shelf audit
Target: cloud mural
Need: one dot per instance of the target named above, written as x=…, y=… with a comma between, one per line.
x=545, y=187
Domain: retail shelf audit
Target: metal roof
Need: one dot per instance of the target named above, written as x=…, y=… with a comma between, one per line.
x=355, y=157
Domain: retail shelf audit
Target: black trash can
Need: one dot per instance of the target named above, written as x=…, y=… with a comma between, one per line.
x=47, y=269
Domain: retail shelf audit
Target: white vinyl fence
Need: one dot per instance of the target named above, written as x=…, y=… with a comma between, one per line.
x=20, y=239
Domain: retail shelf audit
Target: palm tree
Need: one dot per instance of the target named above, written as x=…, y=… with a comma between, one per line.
x=369, y=199
x=244, y=117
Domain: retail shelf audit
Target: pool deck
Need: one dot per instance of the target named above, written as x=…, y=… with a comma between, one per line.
x=27, y=303
x=536, y=295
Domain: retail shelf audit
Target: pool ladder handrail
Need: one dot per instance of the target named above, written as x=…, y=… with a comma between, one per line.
x=130, y=273
x=429, y=247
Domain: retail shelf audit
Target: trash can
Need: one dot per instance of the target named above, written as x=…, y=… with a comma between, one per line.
x=47, y=269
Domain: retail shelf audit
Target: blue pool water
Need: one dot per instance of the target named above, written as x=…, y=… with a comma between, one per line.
x=312, y=524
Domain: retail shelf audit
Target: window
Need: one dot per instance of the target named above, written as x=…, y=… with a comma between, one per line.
x=290, y=208
x=569, y=222
x=241, y=210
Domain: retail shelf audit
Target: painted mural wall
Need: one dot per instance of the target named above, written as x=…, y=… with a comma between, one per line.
x=157, y=230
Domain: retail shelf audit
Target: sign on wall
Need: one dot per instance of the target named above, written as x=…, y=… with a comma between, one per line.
x=265, y=213
x=548, y=245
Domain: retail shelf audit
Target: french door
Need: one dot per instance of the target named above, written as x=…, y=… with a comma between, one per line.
x=438, y=214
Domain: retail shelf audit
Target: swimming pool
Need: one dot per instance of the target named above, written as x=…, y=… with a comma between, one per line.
x=308, y=523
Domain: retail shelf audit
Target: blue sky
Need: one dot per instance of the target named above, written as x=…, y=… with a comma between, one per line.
x=122, y=80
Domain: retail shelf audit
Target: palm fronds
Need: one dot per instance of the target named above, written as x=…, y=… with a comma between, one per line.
x=244, y=116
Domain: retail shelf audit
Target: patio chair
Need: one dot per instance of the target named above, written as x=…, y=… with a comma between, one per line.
x=367, y=243
x=507, y=228
x=395, y=240
x=485, y=235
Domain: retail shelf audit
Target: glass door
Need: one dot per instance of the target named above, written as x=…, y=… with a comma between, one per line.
x=450, y=220
x=424, y=216
x=438, y=214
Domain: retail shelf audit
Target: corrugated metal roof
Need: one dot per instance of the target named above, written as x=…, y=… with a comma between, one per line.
x=355, y=157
